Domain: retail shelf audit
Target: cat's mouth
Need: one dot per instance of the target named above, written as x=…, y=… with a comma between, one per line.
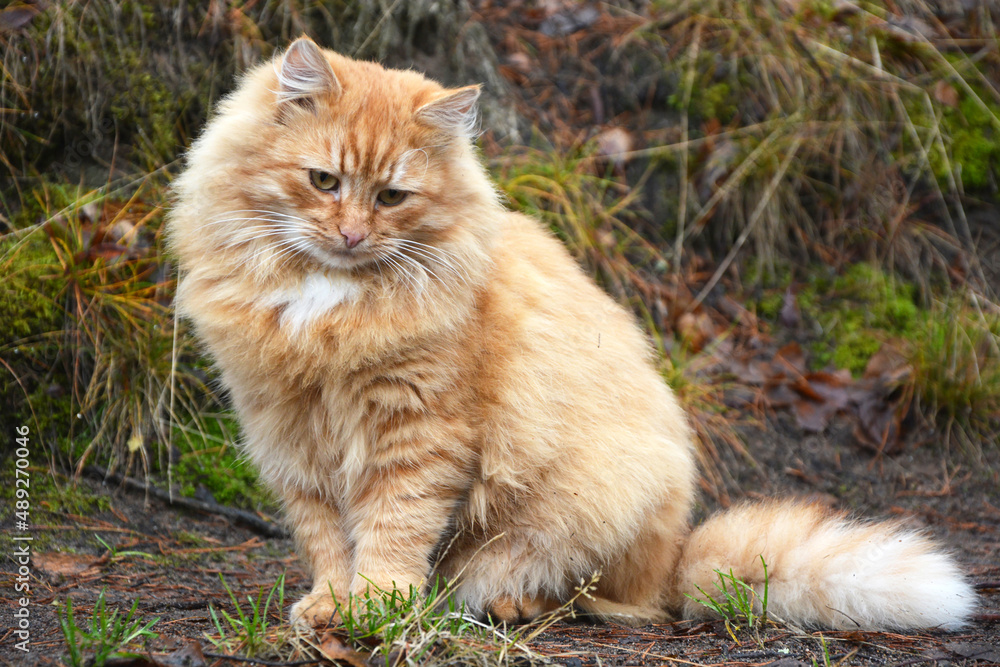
x=347, y=258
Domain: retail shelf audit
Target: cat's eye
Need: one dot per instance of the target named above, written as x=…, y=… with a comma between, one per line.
x=324, y=180
x=391, y=197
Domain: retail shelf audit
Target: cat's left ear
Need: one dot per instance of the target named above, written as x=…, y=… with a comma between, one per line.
x=454, y=112
x=305, y=73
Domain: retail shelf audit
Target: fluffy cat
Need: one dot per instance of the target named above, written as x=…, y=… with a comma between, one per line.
x=433, y=387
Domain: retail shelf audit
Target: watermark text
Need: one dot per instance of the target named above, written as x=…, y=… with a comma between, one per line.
x=22, y=539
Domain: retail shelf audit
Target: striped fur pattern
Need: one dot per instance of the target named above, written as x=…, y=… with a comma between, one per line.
x=433, y=387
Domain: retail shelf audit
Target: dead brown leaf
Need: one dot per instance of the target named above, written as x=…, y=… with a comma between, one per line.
x=888, y=365
x=946, y=94
x=814, y=398
x=878, y=422
x=17, y=17
x=812, y=416
x=57, y=563
x=791, y=358
x=779, y=393
x=333, y=648
x=975, y=650
x=696, y=329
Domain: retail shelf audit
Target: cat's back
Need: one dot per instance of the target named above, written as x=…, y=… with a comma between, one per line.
x=574, y=362
x=544, y=287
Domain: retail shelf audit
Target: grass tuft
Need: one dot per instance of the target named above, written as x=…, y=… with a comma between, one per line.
x=738, y=603
x=249, y=631
x=385, y=627
x=94, y=359
x=106, y=635
x=955, y=358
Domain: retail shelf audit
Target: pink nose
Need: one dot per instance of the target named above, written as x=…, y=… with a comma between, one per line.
x=352, y=238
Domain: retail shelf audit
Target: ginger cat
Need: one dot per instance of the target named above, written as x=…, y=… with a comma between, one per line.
x=433, y=387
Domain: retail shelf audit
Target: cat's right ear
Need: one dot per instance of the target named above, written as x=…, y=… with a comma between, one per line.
x=305, y=74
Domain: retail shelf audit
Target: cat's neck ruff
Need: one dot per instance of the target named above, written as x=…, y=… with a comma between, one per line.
x=315, y=296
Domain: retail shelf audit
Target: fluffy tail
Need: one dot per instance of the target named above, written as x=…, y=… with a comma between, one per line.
x=826, y=570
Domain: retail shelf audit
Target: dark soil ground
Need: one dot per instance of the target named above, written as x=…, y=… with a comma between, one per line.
x=176, y=576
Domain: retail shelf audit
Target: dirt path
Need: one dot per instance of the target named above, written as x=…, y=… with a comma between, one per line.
x=171, y=561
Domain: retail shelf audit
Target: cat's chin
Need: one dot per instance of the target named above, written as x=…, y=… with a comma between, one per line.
x=343, y=260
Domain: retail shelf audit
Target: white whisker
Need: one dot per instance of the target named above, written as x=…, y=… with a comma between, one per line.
x=393, y=267
x=301, y=246
x=440, y=252
x=414, y=262
x=426, y=255
x=408, y=278
x=280, y=214
x=432, y=254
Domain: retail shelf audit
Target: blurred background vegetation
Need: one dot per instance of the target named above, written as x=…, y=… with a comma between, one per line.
x=811, y=183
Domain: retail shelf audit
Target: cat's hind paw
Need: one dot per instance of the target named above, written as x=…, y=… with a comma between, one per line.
x=514, y=610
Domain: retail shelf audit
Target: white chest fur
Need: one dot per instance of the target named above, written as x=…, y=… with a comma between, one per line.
x=314, y=297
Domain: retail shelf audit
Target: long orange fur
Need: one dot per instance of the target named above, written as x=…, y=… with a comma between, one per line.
x=434, y=388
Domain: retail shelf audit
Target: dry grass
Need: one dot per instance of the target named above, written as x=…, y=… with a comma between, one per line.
x=822, y=130
x=114, y=373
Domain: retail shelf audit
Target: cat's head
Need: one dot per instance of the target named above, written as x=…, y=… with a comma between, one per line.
x=321, y=162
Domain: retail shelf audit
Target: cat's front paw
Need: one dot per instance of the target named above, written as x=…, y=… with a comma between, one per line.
x=316, y=610
x=375, y=586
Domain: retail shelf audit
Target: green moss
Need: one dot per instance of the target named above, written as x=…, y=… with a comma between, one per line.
x=975, y=142
x=77, y=499
x=710, y=98
x=47, y=495
x=715, y=101
x=211, y=459
x=807, y=297
x=858, y=312
x=969, y=134
x=29, y=302
x=33, y=389
x=855, y=348
x=769, y=306
x=890, y=303
x=189, y=539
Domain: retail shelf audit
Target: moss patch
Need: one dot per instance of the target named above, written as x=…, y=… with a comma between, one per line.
x=47, y=496
x=970, y=138
x=210, y=459
x=858, y=312
x=855, y=312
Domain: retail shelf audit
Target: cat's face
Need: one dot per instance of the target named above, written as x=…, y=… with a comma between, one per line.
x=354, y=167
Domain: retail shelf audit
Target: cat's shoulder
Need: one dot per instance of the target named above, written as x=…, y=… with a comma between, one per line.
x=524, y=239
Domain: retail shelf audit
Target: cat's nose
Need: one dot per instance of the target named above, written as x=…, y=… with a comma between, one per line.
x=353, y=238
